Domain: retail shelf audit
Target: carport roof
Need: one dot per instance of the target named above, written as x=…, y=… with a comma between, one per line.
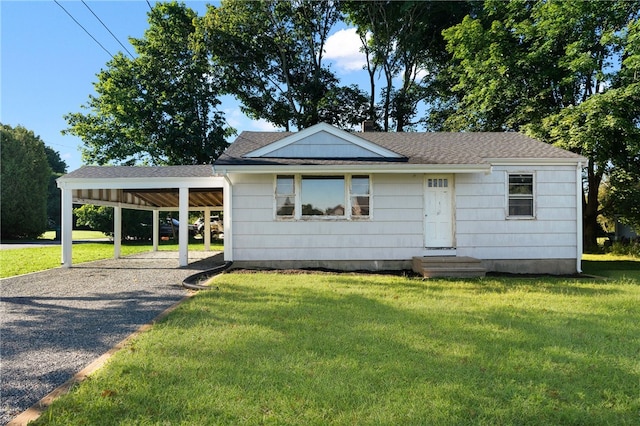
x=144, y=187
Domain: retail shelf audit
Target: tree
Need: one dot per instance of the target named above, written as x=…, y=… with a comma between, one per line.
x=159, y=107
x=25, y=176
x=403, y=39
x=54, y=199
x=270, y=55
x=564, y=72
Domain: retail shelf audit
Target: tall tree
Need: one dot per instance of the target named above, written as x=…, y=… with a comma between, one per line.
x=271, y=57
x=54, y=200
x=159, y=107
x=558, y=70
x=24, y=176
x=403, y=39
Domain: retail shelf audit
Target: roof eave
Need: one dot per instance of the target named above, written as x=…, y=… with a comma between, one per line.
x=394, y=168
x=536, y=161
x=140, y=182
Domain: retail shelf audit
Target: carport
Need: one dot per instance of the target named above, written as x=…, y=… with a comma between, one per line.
x=156, y=189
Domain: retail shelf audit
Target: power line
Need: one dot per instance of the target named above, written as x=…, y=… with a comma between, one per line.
x=85, y=30
x=107, y=28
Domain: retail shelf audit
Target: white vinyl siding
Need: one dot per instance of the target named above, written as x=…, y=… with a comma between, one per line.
x=393, y=231
x=484, y=231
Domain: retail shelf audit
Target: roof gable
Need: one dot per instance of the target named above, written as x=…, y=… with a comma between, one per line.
x=323, y=141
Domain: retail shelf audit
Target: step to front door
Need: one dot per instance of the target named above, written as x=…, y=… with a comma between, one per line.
x=448, y=266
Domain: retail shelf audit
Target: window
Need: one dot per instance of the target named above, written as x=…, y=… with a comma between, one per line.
x=322, y=196
x=285, y=196
x=520, y=195
x=360, y=196
x=306, y=197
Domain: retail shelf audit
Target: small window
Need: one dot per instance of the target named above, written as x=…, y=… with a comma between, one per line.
x=285, y=196
x=360, y=196
x=322, y=196
x=521, y=195
x=438, y=183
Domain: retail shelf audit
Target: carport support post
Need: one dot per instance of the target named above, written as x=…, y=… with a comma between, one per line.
x=67, y=226
x=207, y=226
x=183, y=229
x=117, y=231
x=156, y=229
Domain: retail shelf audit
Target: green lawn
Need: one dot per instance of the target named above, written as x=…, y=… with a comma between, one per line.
x=22, y=261
x=320, y=349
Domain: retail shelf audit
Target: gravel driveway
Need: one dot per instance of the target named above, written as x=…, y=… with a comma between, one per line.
x=55, y=322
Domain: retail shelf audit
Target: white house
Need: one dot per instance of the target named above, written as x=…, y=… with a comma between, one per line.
x=323, y=197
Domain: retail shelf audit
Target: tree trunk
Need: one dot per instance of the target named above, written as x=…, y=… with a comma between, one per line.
x=590, y=210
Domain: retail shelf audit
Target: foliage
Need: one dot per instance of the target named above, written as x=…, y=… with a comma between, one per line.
x=270, y=56
x=403, y=39
x=565, y=72
x=357, y=349
x=159, y=107
x=628, y=248
x=54, y=197
x=25, y=176
x=135, y=223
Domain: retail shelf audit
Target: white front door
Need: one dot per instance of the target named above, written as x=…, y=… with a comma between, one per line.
x=438, y=220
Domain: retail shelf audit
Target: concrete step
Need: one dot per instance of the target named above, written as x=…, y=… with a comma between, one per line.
x=448, y=266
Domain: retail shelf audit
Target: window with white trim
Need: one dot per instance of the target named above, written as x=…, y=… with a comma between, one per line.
x=521, y=195
x=360, y=192
x=285, y=196
x=320, y=196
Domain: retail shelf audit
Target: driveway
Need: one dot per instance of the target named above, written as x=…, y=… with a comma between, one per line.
x=55, y=322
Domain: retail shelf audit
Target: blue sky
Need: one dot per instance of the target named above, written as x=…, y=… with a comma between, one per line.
x=48, y=63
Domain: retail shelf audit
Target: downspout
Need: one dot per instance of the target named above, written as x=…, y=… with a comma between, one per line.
x=579, y=231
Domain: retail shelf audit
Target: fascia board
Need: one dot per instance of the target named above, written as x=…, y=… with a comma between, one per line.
x=350, y=169
x=141, y=183
x=323, y=127
x=535, y=161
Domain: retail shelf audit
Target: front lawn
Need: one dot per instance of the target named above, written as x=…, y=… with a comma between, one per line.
x=371, y=349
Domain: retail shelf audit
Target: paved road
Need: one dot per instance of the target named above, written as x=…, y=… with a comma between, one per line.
x=54, y=323
x=44, y=243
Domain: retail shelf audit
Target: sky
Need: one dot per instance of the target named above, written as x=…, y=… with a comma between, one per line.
x=48, y=63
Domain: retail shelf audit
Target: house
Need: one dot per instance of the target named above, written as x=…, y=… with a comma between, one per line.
x=324, y=197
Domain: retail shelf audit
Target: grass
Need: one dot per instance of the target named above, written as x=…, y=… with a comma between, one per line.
x=76, y=234
x=326, y=349
x=22, y=261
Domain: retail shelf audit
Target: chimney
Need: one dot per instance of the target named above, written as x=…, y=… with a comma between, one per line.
x=368, y=126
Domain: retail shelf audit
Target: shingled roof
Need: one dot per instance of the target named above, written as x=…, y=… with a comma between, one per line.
x=129, y=172
x=428, y=148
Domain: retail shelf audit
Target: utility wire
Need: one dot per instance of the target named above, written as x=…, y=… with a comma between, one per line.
x=107, y=28
x=85, y=30
x=149, y=4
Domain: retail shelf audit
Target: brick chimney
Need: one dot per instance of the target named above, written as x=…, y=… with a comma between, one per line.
x=368, y=126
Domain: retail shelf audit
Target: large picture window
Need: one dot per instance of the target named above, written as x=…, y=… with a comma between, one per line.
x=520, y=195
x=305, y=197
x=322, y=196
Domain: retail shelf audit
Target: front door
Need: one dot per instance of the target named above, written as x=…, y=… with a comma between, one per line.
x=438, y=211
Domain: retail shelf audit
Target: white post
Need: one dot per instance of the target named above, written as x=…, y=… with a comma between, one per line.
x=207, y=229
x=117, y=231
x=183, y=230
x=67, y=226
x=156, y=229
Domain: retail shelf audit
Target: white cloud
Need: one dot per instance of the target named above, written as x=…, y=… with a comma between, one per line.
x=343, y=49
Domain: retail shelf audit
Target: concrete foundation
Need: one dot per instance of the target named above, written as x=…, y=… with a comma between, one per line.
x=512, y=266
x=338, y=265
x=531, y=266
